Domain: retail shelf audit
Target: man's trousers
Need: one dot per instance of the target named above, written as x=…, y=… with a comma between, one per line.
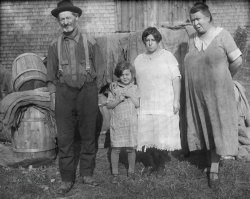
x=76, y=112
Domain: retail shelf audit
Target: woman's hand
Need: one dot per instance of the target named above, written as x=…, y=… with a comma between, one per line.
x=176, y=107
x=177, y=92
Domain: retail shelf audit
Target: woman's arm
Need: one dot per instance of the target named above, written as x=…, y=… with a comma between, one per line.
x=177, y=92
x=235, y=65
x=135, y=101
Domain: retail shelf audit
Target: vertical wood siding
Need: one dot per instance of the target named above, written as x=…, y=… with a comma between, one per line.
x=137, y=15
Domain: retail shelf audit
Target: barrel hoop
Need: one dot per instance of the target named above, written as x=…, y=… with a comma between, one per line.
x=38, y=70
x=29, y=71
x=24, y=54
x=28, y=78
x=34, y=120
x=33, y=150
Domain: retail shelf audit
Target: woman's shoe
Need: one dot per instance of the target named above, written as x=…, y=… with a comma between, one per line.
x=65, y=187
x=114, y=179
x=89, y=180
x=214, y=180
x=226, y=159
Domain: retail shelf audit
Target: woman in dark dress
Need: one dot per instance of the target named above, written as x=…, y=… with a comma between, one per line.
x=212, y=60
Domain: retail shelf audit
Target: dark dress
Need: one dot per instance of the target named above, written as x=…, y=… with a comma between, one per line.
x=211, y=108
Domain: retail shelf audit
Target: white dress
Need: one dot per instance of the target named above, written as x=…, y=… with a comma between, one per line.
x=158, y=126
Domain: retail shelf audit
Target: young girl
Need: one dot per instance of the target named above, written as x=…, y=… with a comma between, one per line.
x=123, y=100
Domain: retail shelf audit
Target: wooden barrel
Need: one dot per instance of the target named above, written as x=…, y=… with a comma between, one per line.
x=32, y=84
x=27, y=67
x=35, y=137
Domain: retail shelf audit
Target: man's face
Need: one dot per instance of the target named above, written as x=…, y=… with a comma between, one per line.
x=67, y=21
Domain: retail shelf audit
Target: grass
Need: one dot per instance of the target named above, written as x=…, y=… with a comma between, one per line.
x=182, y=179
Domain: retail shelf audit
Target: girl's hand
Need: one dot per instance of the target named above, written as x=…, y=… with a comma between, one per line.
x=128, y=94
x=121, y=98
x=176, y=107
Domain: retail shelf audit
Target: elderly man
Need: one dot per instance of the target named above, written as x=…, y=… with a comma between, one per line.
x=71, y=66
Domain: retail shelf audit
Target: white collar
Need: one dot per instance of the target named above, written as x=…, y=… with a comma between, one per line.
x=202, y=44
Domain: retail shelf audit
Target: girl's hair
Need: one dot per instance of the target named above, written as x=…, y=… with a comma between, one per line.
x=151, y=31
x=201, y=7
x=124, y=65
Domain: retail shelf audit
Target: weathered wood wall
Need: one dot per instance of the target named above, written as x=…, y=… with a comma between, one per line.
x=137, y=15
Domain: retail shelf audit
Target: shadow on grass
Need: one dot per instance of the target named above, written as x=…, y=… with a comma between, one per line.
x=196, y=158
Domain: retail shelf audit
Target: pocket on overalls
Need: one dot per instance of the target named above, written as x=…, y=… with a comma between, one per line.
x=64, y=71
x=89, y=73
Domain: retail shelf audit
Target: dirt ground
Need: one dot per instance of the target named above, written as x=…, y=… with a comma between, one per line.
x=183, y=178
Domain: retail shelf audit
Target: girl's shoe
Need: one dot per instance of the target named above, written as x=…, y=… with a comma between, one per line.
x=131, y=175
x=114, y=179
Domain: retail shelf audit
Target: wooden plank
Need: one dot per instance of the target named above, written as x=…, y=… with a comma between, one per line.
x=164, y=16
x=118, y=13
x=132, y=16
x=171, y=12
x=145, y=12
x=124, y=16
x=152, y=13
x=139, y=22
x=158, y=8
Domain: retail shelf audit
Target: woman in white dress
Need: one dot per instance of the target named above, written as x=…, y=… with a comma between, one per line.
x=158, y=79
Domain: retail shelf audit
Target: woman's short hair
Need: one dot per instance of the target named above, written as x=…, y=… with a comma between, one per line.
x=201, y=7
x=124, y=65
x=151, y=31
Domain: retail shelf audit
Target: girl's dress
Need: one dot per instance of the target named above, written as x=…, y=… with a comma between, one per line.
x=123, y=124
x=158, y=126
x=211, y=108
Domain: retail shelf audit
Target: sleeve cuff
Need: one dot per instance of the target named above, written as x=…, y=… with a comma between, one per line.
x=177, y=76
x=234, y=55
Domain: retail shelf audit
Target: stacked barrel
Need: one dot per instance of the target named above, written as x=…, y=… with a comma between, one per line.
x=35, y=135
